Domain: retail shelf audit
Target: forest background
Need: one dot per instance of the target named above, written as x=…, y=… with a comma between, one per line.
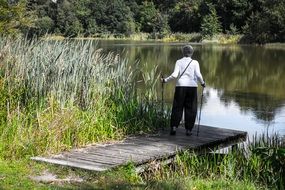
x=256, y=21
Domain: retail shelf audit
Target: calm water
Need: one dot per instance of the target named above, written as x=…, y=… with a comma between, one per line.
x=245, y=84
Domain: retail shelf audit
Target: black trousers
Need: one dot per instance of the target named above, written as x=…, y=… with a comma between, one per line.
x=184, y=98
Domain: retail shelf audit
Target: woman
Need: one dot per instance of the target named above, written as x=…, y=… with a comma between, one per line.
x=187, y=73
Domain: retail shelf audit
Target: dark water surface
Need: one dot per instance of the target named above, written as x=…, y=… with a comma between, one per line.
x=245, y=84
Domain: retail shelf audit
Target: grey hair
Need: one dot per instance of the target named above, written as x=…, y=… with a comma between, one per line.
x=187, y=51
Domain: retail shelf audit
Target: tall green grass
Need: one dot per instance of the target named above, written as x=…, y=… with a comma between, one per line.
x=55, y=95
x=260, y=162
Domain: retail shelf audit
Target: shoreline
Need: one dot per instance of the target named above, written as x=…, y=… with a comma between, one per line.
x=221, y=39
x=174, y=37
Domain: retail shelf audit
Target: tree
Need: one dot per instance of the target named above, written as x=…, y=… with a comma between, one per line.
x=161, y=25
x=211, y=24
x=233, y=13
x=44, y=25
x=266, y=23
x=14, y=18
x=91, y=27
x=83, y=13
x=186, y=17
x=152, y=20
x=47, y=16
x=67, y=22
x=113, y=16
x=260, y=20
x=165, y=5
x=147, y=16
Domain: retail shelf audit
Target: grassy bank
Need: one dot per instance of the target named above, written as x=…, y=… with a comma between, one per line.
x=258, y=166
x=177, y=37
x=173, y=37
x=18, y=175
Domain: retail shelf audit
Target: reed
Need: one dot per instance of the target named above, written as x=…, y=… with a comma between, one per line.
x=55, y=95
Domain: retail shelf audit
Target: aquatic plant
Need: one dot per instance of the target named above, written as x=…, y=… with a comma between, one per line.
x=55, y=95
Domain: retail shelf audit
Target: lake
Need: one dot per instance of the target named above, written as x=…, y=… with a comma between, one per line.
x=245, y=83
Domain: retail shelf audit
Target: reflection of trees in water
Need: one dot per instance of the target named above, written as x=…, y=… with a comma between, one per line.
x=264, y=107
x=206, y=96
x=252, y=77
x=245, y=69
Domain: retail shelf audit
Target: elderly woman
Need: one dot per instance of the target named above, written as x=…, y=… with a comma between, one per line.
x=187, y=73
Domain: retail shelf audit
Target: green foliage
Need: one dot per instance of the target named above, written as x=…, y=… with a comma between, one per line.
x=44, y=25
x=267, y=23
x=66, y=21
x=183, y=37
x=113, y=16
x=92, y=27
x=233, y=12
x=261, y=21
x=129, y=172
x=14, y=18
x=210, y=24
x=233, y=30
x=148, y=17
x=74, y=29
x=151, y=20
x=186, y=17
x=266, y=161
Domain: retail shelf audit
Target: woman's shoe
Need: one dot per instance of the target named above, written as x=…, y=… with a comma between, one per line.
x=188, y=132
x=173, y=131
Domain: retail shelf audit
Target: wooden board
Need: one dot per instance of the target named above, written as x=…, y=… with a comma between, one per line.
x=143, y=149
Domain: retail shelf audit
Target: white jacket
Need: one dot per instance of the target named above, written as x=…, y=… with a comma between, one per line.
x=190, y=77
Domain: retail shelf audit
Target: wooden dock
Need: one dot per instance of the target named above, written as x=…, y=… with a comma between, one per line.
x=143, y=149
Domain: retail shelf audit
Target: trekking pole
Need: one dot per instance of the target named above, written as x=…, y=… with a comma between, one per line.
x=199, y=119
x=162, y=99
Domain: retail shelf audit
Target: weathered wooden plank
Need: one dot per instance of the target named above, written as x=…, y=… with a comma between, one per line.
x=115, y=151
x=142, y=149
x=91, y=161
x=202, y=134
x=100, y=156
x=155, y=154
x=135, y=156
x=84, y=161
x=71, y=164
x=186, y=143
x=211, y=130
x=176, y=140
x=94, y=158
x=147, y=154
x=118, y=154
x=148, y=151
x=129, y=155
x=215, y=130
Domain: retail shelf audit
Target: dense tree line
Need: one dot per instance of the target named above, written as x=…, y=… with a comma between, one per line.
x=260, y=21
